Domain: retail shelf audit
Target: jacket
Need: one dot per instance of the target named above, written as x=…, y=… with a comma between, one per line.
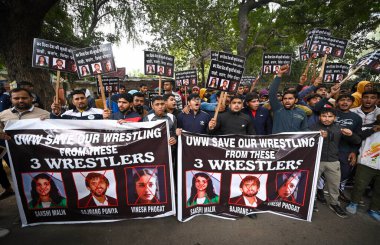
x=88, y=114
x=233, y=123
x=13, y=114
x=129, y=116
x=195, y=123
x=330, y=147
x=262, y=121
x=284, y=120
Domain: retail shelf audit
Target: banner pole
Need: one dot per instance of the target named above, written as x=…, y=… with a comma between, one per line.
x=159, y=85
x=102, y=91
x=323, y=66
x=307, y=66
x=218, y=106
x=351, y=73
x=185, y=94
x=57, y=86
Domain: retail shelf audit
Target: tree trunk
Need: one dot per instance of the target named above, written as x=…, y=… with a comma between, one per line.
x=21, y=22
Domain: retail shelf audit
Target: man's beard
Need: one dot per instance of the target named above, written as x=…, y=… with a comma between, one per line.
x=23, y=106
x=251, y=194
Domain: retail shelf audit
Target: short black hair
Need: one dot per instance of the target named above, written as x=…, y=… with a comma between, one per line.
x=237, y=96
x=15, y=90
x=192, y=96
x=312, y=96
x=143, y=85
x=138, y=94
x=121, y=86
x=321, y=86
x=294, y=93
x=167, y=96
x=77, y=91
x=127, y=97
x=251, y=96
x=158, y=97
x=343, y=96
x=371, y=92
x=325, y=110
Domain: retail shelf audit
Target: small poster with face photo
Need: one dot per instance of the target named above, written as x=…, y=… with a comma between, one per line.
x=303, y=54
x=96, y=188
x=233, y=86
x=213, y=82
x=98, y=59
x=202, y=188
x=187, y=77
x=44, y=190
x=96, y=68
x=370, y=60
x=168, y=72
x=150, y=69
x=84, y=70
x=161, y=70
x=272, y=62
x=70, y=65
x=291, y=187
x=146, y=185
x=328, y=45
x=158, y=64
x=52, y=55
x=221, y=74
x=223, y=86
x=110, y=84
x=107, y=66
x=42, y=61
x=310, y=34
x=59, y=64
x=248, y=190
x=335, y=72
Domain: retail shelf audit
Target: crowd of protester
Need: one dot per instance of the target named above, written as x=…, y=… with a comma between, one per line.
x=349, y=122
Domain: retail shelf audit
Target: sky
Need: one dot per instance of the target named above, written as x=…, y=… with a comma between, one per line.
x=130, y=56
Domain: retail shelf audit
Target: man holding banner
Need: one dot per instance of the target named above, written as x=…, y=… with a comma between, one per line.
x=22, y=109
x=81, y=112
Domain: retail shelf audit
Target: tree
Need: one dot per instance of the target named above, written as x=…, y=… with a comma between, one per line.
x=23, y=20
x=190, y=29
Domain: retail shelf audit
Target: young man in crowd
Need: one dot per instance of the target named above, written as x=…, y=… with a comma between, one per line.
x=368, y=169
x=139, y=104
x=82, y=110
x=232, y=121
x=347, y=151
x=158, y=105
x=144, y=90
x=260, y=116
x=23, y=108
x=168, y=88
x=286, y=116
x=114, y=98
x=332, y=134
x=125, y=112
x=29, y=86
x=171, y=104
x=196, y=121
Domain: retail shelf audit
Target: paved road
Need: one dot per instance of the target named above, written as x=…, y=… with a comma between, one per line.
x=326, y=228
